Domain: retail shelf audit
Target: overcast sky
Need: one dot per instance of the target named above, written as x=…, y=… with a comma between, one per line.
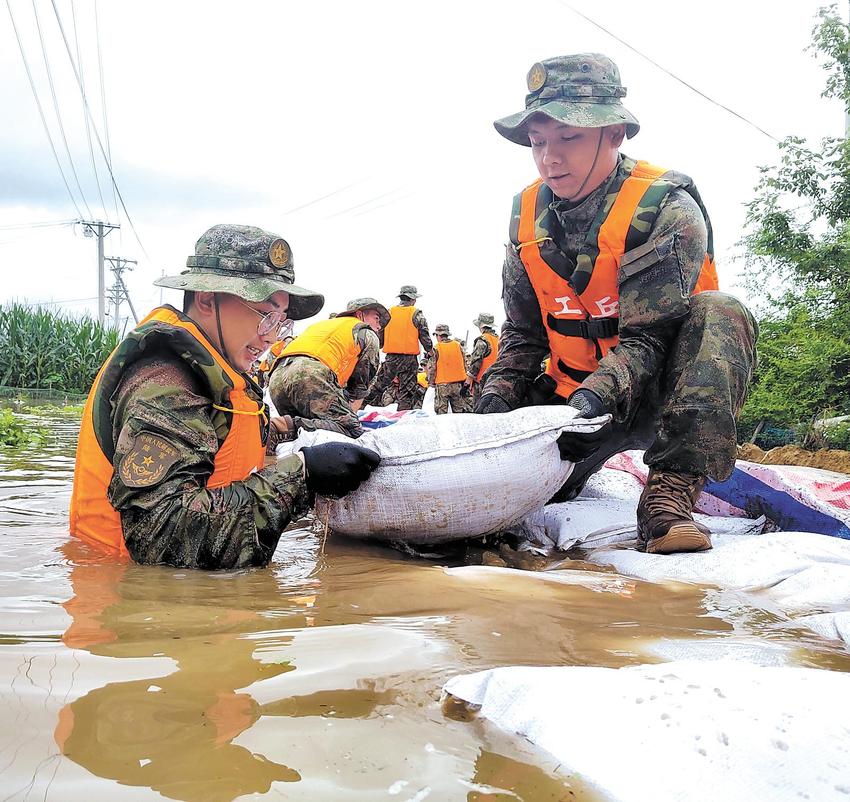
x=362, y=132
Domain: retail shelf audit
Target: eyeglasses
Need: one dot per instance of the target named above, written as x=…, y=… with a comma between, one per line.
x=271, y=321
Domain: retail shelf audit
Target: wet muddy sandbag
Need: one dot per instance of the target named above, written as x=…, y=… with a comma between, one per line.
x=449, y=477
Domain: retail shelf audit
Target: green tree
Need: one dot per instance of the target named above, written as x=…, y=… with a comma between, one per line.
x=797, y=254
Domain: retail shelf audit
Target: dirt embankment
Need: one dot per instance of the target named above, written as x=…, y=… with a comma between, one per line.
x=826, y=458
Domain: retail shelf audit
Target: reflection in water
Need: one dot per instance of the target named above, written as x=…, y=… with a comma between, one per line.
x=174, y=733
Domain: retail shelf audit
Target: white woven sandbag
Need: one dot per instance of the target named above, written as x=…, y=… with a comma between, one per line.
x=683, y=731
x=450, y=477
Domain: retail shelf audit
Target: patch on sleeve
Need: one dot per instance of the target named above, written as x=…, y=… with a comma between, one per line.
x=148, y=460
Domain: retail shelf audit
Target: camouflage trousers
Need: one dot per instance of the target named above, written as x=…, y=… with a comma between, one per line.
x=405, y=366
x=686, y=420
x=455, y=394
x=304, y=388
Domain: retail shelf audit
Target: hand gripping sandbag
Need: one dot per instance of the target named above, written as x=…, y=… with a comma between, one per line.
x=450, y=477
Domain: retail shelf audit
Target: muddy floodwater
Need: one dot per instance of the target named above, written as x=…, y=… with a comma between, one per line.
x=318, y=678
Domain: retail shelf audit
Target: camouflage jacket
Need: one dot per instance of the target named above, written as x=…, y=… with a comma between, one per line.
x=178, y=521
x=367, y=363
x=480, y=351
x=650, y=311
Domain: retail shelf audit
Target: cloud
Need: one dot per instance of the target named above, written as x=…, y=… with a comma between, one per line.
x=30, y=177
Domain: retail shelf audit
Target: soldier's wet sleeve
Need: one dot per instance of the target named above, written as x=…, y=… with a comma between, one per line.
x=523, y=344
x=173, y=519
x=480, y=350
x=655, y=284
x=367, y=363
x=424, y=335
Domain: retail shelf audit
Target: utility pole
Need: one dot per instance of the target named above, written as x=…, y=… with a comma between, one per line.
x=96, y=228
x=118, y=291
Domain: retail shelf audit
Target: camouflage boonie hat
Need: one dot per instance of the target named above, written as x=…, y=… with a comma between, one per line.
x=248, y=262
x=409, y=291
x=362, y=304
x=442, y=328
x=582, y=90
x=484, y=319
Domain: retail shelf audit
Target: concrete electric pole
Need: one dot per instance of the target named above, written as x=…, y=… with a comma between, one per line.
x=99, y=229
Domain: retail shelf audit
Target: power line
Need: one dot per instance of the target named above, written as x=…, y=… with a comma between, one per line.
x=56, y=107
x=85, y=116
x=665, y=70
x=64, y=301
x=323, y=197
x=41, y=110
x=94, y=127
x=103, y=109
x=44, y=224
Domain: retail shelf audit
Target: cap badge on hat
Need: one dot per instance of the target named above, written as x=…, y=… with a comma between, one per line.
x=279, y=253
x=536, y=77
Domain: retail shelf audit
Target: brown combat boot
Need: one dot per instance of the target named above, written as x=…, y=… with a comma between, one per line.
x=665, y=514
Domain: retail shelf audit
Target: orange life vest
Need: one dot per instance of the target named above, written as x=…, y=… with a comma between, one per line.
x=237, y=408
x=581, y=321
x=451, y=366
x=274, y=352
x=400, y=335
x=332, y=342
x=491, y=357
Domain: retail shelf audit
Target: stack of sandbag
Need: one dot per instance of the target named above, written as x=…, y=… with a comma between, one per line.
x=450, y=477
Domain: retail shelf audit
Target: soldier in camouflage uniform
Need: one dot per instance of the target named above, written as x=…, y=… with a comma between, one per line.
x=402, y=363
x=165, y=404
x=481, y=350
x=676, y=380
x=308, y=390
x=454, y=393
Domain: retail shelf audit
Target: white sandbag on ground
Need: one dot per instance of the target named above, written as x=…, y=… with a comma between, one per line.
x=680, y=731
x=454, y=476
x=734, y=562
x=596, y=522
x=835, y=626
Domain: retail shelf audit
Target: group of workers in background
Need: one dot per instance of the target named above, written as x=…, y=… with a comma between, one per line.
x=322, y=377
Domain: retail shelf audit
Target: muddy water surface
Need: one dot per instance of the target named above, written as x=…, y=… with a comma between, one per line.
x=316, y=679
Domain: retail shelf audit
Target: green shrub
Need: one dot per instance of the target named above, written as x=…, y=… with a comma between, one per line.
x=16, y=432
x=838, y=436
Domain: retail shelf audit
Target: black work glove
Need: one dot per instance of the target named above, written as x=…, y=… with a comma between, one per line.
x=576, y=446
x=334, y=469
x=491, y=402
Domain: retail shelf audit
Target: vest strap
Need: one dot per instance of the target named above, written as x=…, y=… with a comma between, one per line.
x=574, y=373
x=593, y=329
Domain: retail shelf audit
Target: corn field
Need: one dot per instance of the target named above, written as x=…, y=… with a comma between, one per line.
x=45, y=348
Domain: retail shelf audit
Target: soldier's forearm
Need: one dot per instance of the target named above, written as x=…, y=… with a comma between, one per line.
x=312, y=425
x=235, y=526
x=623, y=375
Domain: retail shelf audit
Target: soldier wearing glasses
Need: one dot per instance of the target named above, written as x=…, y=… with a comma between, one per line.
x=174, y=434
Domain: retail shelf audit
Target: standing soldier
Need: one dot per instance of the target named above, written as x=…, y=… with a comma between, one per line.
x=610, y=272
x=447, y=373
x=323, y=375
x=484, y=352
x=174, y=435
x=403, y=336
